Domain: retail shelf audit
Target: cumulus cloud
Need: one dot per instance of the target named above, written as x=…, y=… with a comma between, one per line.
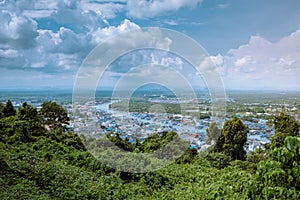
x=63, y=41
x=9, y=53
x=263, y=64
x=218, y=60
x=60, y=48
x=102, y=34
x=27, y=40
x=55, y=36
x=108, y=9
x=145, y=8
x=17, y=31
x=243, y=61
x=73, y=14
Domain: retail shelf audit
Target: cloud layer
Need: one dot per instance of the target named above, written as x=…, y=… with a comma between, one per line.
x=57, y=35
x=50, y=39
x=27, y=43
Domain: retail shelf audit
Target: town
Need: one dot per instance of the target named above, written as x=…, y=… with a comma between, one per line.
x=98, y=118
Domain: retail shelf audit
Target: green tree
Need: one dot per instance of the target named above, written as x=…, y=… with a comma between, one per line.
x=212, y=132
x=9, y=109
x=232, y=139
x=285, y=125
x=13, y=130
x=1, y=110
x=27, y=112
x=188, y=157
x=218, y=160
x=22, y=127
x=32, y=118
x=118, y=141
x=55, y=115
x=279, y=176
x=257, y=156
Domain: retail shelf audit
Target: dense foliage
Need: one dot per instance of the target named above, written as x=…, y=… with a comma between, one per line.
x=213, y=132
x=279, y=176
x=55, y=116
x=9, y=109
x=232, y=139
x=285, y=125
x=40, y=163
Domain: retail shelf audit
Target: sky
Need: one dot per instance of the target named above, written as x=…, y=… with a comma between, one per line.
x=254, y=44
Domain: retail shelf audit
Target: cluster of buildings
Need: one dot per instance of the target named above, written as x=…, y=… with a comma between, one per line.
x=98, y=120
x=258, y=134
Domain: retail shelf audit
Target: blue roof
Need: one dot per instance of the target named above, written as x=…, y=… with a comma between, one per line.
x=193, y=146
x=132, y=140
x=123, y=137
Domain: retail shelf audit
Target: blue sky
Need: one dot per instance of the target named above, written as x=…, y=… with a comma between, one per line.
x=255, y=44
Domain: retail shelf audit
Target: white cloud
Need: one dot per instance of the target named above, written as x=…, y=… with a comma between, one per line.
x=67, y=10
x=108, y=10
x=55, y=36
x=73, y=29
x=9, y=53
x=218, y=60
x=102, y=34
x=263, y=64
x=243, y=61
x=65, y=49
x=145, y=9
x=206, y=65
x=63, y=41
x=164, y=59
x=16, y=31
x=23, y=44
x=40, y=9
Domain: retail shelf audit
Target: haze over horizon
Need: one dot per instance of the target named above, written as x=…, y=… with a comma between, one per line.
x=253, y=44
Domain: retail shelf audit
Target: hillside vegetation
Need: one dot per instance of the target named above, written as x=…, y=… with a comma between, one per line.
x=39, y=159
